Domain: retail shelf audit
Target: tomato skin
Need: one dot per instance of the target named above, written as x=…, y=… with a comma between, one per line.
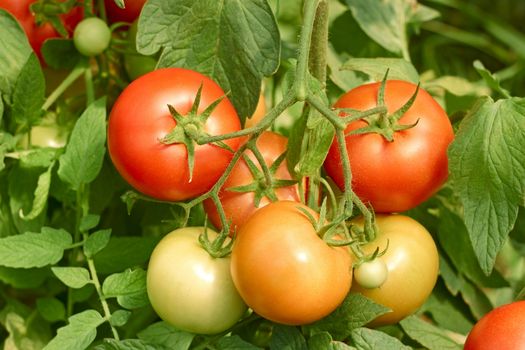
x=128, y=14
x=37, y=34
x=92, y=36
x=239, y=206
x=502, y=328
x=140, y=118
x=188, y=288
x=399, y=175
x=284, y=271
x=258, y=114
x=412, y=262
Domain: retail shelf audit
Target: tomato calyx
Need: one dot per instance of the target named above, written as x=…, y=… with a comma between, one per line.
x=216, y=247
x=264, y=183
x=190, y=128
x=50, y=11
x=378, y=119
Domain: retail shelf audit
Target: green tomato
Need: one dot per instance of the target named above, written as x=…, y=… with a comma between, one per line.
x=188, y=288
x=135, y=63
x=371, y=274
x=92, y=36
x=47, y=134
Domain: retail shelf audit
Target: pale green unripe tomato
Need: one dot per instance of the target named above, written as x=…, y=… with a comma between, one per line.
x=371, y=274
x=92, y=36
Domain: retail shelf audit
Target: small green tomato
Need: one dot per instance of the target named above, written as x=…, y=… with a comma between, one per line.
x=92, y=36
x=371, y=274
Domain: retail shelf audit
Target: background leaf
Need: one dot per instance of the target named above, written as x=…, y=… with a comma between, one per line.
x=226, y=40
x=129, y=287
x=79, y=333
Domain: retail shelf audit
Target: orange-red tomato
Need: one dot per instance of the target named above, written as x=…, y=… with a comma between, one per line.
x=258, y=114
x=37, y=34
x=140, y=118
x=239, y=206
x=398, y=175
x=502, y=328
x=412, y=262
x=128, y=14
x=284, y=271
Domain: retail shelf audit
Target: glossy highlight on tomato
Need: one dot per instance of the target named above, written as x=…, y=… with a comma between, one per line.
x=502, y=328
x=284, y=271
x=140, y=118
x=188, y=288
x=412, y=263
x=394, y=176
x=239, y=206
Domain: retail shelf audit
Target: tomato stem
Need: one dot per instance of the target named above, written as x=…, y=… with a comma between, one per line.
x=70, y=79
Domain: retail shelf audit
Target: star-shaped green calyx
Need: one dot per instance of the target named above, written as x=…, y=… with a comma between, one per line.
x=378, y=119
x=264, y=182
x=190, y=128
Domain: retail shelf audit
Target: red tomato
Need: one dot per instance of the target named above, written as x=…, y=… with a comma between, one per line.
x=501, y=329
x=239, y=206
x=394, y=176
x=37, y=34
x=139, y=120
x=284, y=271
x=128, y=14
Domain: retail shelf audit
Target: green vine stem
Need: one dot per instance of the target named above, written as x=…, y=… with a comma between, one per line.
x=70, y=79
x=319, y=43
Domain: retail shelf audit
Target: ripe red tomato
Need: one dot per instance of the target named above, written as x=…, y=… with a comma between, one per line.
x=394, y=176
x=239, y=206
x=284, y=271
x=128, y=14
x=502, y=328
x=140, y=118
x=412, y=262
x=37, y=34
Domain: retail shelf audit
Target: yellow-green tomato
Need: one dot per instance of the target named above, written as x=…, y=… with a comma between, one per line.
x=188, y=288
x=91, y=36
x=371, y=274
x=46, y=135
x=412, y=262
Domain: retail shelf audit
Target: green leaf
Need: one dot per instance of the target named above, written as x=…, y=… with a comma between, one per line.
x=7, y=142
x=124, y=252
x=51, y=309
x=120, y=317
x=487, y=166
x=96, y=242
x=384, y=22
x=74, y=277
x=129, y=287
x=89, y=222
x=428, y=335
x=287, y=338
x=82, y=160
x=235, y=342
x=448, y=312
x=491, y=81
x=34, y=249
x=451, y=277
x=14, y=52
x=61, y=53
x=40, y=195
x=457, y=86
x=478, y=303
x=38, y=158
x=236, y=43
x=26, y=329
x=163, y=334
x=324, y=341
x=79, y=333
x=23, y=278
x=370, y=339
x=28, y=94
x=356, y=311
x=453, y=237
x=127, y=344
x=376, y=68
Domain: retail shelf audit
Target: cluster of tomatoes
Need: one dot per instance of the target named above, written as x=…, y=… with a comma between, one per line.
x=280, y=266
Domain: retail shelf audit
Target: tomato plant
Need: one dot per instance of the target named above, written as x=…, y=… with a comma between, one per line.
x=92, y=36
x=284, y=271
x=258, y=114
x=394, y=175
x=190, y=289
x=135, y=63
x=38, y=33
x=412, y=262
x=140, y=118
x=239, y=206
x=129, y=13
x=371, y=274
x=502, y=328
